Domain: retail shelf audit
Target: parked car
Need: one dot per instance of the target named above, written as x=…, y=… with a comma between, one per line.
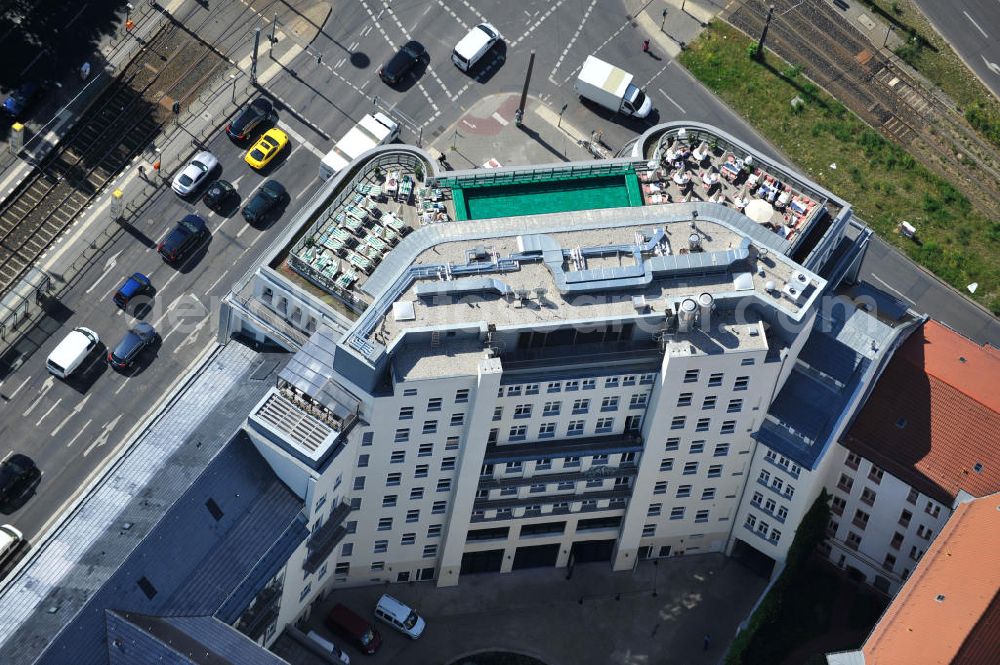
x=187, y=235
x=399, y=615
x=329, y=647
x=266, y=148
x=399, y=65
x=219, y=195
x=195, y=174
x=136, y=285
x=270, y=195
x=17, y=477
x=135, y=340
x=256, y=112
x=10, y=538
x=360, y=631
x=21, y=99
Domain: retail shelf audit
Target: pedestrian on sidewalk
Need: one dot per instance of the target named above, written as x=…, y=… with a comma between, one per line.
x=645, y=46
x=708, y=640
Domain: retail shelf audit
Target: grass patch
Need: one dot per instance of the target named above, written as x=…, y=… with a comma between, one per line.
x=883, y=182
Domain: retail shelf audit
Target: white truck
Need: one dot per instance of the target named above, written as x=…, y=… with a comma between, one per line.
x=373, y=130
x=612, y=88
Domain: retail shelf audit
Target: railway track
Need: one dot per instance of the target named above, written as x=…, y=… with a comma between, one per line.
x=840, y=59
x=172, y=66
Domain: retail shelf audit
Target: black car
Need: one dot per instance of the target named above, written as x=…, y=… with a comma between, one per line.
x=219, y=195
x=135, y=340
x=405, y=59
x=187, y=235
x=17, y=476
x=270, y=195
x=259, y=110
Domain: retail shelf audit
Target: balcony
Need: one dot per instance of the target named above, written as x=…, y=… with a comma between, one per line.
x=499, y=504
x=326, y=538
x=626, y=470
x=626, y=442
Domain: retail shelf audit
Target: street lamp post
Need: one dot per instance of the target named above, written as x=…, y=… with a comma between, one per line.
x=233, y=77
x=663, y=21
x=885, y=41
x=561, y=111
x=763, y=33
x=128, y=11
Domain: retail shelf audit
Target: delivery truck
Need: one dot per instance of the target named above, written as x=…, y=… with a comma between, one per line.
x=612, y=88
x=373, y=130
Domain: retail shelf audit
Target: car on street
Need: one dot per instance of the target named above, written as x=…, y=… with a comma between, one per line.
x=18, y=475
x=270, y=195
x=10, y=538
x=187, y=235
x=136, y=285
x=21, y=99
x=255, y=113
x=219, y=195
x=195, y=173
x=135, y=340
x=399, y=65
x=266, y=148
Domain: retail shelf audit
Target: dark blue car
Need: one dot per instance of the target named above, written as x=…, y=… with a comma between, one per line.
x=137, y=284
x=135, y=340
x=188, y=234
x=20, y=99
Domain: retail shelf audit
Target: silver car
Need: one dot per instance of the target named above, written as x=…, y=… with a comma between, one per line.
x=195, y=174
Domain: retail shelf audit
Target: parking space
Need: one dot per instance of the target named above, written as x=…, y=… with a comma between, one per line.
x=658, y=613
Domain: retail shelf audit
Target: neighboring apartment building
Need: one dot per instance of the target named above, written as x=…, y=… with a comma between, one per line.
x=928, y=438
x=948, y=611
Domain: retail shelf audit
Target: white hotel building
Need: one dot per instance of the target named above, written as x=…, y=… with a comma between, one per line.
x=541, y=390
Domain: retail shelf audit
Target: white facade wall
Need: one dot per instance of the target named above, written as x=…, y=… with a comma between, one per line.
x=868, y=529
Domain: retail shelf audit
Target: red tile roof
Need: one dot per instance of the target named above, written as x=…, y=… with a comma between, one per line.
x=934, y=415
x=949, y=609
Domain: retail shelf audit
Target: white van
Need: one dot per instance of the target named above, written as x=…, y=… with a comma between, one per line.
x=474, y=46
x=399, y=616
x=329, y=647
x=72, y=351
x=9, y=539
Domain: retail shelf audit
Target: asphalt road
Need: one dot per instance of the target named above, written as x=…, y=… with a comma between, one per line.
x=972, y=28
x=71, y=428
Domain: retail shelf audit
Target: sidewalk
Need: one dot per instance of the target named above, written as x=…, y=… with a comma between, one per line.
x=658, y=613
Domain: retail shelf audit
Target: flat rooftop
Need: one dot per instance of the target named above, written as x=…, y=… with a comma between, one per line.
x=498, y=275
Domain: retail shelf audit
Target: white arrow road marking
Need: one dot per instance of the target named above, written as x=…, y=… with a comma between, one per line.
x=76, y=409
x=109, y=265
x=192, y=335
x=85, y=426
x=46, y=414
x=46, y=387
x=102, y=438
x=994, y=67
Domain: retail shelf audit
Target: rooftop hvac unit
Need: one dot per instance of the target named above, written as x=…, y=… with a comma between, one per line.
x=793, y=292
x=694, y=242
x=686, y=314
x=800, y=279
x=522, y=294
x=639, y=303
x=770, y=286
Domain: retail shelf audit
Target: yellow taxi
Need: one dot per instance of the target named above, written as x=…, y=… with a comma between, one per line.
x=267, y=146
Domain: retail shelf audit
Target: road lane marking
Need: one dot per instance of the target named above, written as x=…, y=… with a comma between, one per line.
x=671, y=100
x=33, y=61
x=46, y=414
x=102, y=438
x=973, y=22
x=109, y=265
x=18, y=389
x=897, y=292
x=46, y=387
x=85, y=426
x=305, y=189
x=993, y=67
x=216, y=282
x=300, y=140
x=76, y=409
x=76, y=16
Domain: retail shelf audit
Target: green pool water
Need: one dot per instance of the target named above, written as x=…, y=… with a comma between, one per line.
x=533, y=198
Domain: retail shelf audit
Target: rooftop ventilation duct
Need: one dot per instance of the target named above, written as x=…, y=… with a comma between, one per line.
x=686, y=315
x=706, y=303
